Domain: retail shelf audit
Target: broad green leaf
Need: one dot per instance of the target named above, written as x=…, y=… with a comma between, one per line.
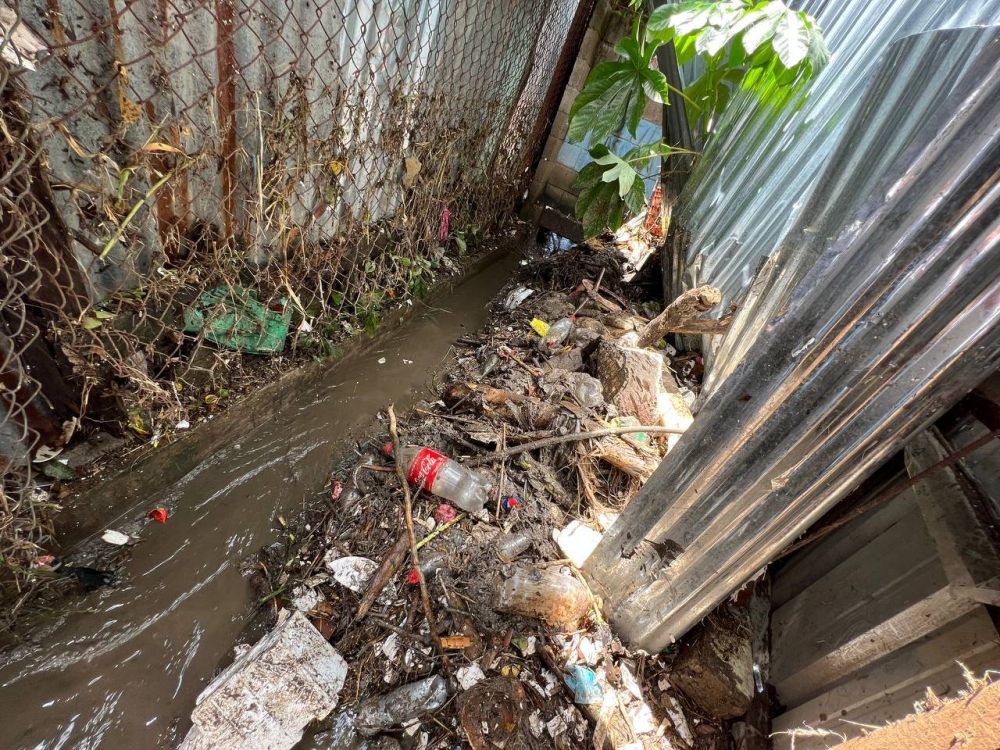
x=763, y=26
x=691, y=21
x=684, y=48
x=629, y=47
x=819, y=55
x=613, y=91
x=635, y=199
x=661, y=20
x=598, y=209
x=91, y=323
x=791, y=39
x=609, y=185
x=725, y=22
x=636, y=106
x=712, y=40
x=618, y=171
x=601, y=78
x=726, y=13
x=655, y=85
x=103, y=315
x=602, y=107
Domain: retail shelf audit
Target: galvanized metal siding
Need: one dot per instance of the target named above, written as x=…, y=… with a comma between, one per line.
x=759, y=169
x=886, y=304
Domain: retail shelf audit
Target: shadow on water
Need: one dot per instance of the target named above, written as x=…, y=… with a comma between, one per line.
x=125, y=664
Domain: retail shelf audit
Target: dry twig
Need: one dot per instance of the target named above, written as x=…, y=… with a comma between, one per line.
x=414, y=557
x=559, y=439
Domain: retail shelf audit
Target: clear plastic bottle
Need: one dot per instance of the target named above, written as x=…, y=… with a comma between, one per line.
x=429, y=470
x=588, y=391
x=545, y=594
x=557, y=333
x=402, y=705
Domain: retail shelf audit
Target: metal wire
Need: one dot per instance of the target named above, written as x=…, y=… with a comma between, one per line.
x=329, y=158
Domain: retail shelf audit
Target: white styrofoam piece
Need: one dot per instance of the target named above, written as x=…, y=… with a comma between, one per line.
x=266, y=698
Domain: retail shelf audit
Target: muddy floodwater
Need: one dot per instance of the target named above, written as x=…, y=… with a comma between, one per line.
x=124, y=665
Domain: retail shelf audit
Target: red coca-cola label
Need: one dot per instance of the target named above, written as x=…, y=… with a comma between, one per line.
x=424, y=468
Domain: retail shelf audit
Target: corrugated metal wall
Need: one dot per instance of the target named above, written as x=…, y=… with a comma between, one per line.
x=362, y=83
x=880, y=309
x=761, y=166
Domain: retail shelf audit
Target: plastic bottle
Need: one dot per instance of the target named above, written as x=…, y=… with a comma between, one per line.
x=510, y=547
x=429, y=470
x=588, y=391
x=558, y=332
x=401, y=705
x=545, y=594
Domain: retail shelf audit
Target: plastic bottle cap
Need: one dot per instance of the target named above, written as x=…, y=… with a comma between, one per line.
x=387, y=450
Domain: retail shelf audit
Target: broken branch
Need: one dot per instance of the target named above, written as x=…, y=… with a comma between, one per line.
x=559, y=439
x=392, y=562
x=408, y=507
x=682, y=311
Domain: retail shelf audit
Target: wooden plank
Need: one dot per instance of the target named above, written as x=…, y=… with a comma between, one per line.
x=885, y=691
x=752, y=731
x=890, y=593
x=964, y=543
x=813, y=562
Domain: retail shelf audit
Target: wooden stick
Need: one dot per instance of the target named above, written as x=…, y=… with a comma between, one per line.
x=392, y=562
x=414, y=557
x=558, y=439
x=681, y=311
x=890, y=493
x=591, y=294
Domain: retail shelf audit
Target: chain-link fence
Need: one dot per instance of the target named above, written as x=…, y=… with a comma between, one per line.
x=187, y=183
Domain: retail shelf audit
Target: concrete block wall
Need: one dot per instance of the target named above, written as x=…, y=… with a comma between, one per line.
x=552, y=185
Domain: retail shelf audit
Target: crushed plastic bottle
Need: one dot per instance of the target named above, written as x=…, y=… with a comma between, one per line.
x=588, y=391
x=546, y=595
x=401, y=705
x=429, y=470
x=510, y=547
x=556, y=334
x=343, y=736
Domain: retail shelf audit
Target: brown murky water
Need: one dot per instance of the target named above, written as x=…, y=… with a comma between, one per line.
x=125, y=664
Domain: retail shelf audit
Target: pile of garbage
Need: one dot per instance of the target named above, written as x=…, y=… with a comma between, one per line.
x=548, y=422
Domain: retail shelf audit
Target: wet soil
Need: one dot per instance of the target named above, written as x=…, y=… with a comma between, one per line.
x=122, y=667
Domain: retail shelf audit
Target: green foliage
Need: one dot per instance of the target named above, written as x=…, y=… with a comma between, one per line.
x=764, y=48
x=419, y=274
x=617, y=90
x=611, y=183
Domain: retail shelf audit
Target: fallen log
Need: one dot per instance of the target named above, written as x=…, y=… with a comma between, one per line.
x=681, y=312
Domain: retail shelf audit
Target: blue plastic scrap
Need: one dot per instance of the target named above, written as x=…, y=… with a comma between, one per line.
x=582, y=682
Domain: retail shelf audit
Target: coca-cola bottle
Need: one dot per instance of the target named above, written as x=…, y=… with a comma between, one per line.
x=429, y=470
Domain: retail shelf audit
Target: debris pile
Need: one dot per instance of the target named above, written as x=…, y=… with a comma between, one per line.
x=469, y=622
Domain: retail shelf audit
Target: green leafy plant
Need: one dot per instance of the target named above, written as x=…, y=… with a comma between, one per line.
x=764, y=48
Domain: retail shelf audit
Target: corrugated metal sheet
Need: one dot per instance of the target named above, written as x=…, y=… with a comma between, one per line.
x=757, y=173
x=880, y=309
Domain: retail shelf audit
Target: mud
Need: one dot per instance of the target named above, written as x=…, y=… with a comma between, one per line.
x=122, y=667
